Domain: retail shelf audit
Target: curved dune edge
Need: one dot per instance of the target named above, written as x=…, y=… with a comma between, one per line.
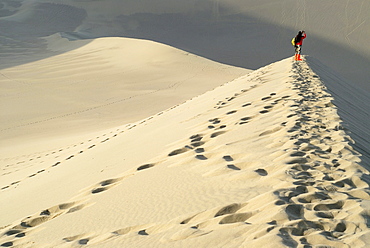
x=97, y=84
x=261, y=161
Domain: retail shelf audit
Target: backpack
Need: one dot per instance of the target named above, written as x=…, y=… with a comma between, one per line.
x=293, y=41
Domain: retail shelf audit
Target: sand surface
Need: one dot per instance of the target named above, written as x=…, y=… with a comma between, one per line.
x=105, y=83
x=117, y=130
x=259, y=161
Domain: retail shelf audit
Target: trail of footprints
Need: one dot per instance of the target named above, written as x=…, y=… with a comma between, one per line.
x=315, y=204
x=324, y=197
x=217, y=126
x=14, y=234
x=60, y=156
x=26, y=161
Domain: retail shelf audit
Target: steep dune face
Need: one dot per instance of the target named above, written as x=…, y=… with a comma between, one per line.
x=261, y=161
x=353, y=107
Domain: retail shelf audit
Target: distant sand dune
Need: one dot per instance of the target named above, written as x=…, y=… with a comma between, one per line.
x=105, y=83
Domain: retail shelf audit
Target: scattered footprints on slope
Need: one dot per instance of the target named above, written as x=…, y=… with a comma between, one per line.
x=37, y=160
x=220, y=125
x=13, y=235
x=322, y=195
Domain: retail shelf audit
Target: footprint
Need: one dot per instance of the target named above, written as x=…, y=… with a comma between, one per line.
x=32, y=222
x=328, y=207
x=325, y=214
x=270, y=131
x=294, y=211
x=13, y=232
x=228, y=158
x=201, y=157
x=196, y=138
x=246, y=105
x=83, y=241
x=98, y=190
x=145, y=166
x=217, y=134
x=110, y=181
x=297, y=154
x=247, y=118
x=261, y=172
x=266, y=98
x=178, y=151
x=214, y=121
x=143, y=232
x=196, y=144
x=233, y=167
x=7, y=244
x=199, y=150
x=230, y=209
x=231, y=112
x=70, y=157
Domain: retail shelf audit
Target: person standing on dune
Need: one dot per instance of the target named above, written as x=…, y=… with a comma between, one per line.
x=298, y=40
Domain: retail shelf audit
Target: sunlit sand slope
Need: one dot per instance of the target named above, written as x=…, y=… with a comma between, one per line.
x=262, y=161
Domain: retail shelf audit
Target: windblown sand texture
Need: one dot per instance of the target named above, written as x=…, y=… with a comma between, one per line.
x=128, y=123
x=262, y=161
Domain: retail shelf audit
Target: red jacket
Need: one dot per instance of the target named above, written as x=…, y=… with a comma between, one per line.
x=301, y=41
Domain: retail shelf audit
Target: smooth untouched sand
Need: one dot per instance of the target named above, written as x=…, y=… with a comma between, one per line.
x=261, y=161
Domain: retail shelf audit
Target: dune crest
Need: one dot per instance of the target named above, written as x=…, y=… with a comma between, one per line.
x=262, y=161
x=98, y=84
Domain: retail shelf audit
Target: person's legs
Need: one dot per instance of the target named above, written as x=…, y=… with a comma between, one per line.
x=298, y=49
x=298, y=52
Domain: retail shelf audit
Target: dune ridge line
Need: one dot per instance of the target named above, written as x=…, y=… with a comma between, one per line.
x=273, y=137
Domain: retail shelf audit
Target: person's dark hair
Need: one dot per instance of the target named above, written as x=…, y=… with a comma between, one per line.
x=298, y=37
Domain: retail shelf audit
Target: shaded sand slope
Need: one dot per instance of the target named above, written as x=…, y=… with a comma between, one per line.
x=337, y=30
x=97, y=84
x=261, y=161
x=353, y=107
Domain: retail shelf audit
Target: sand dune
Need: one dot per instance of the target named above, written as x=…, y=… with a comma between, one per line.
x=260, y=161
x=247, y=34
x=105, y=83
x=118, y=131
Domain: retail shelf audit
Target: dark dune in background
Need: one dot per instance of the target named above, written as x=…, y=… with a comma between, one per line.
x=244, y=41
x=247, y=34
